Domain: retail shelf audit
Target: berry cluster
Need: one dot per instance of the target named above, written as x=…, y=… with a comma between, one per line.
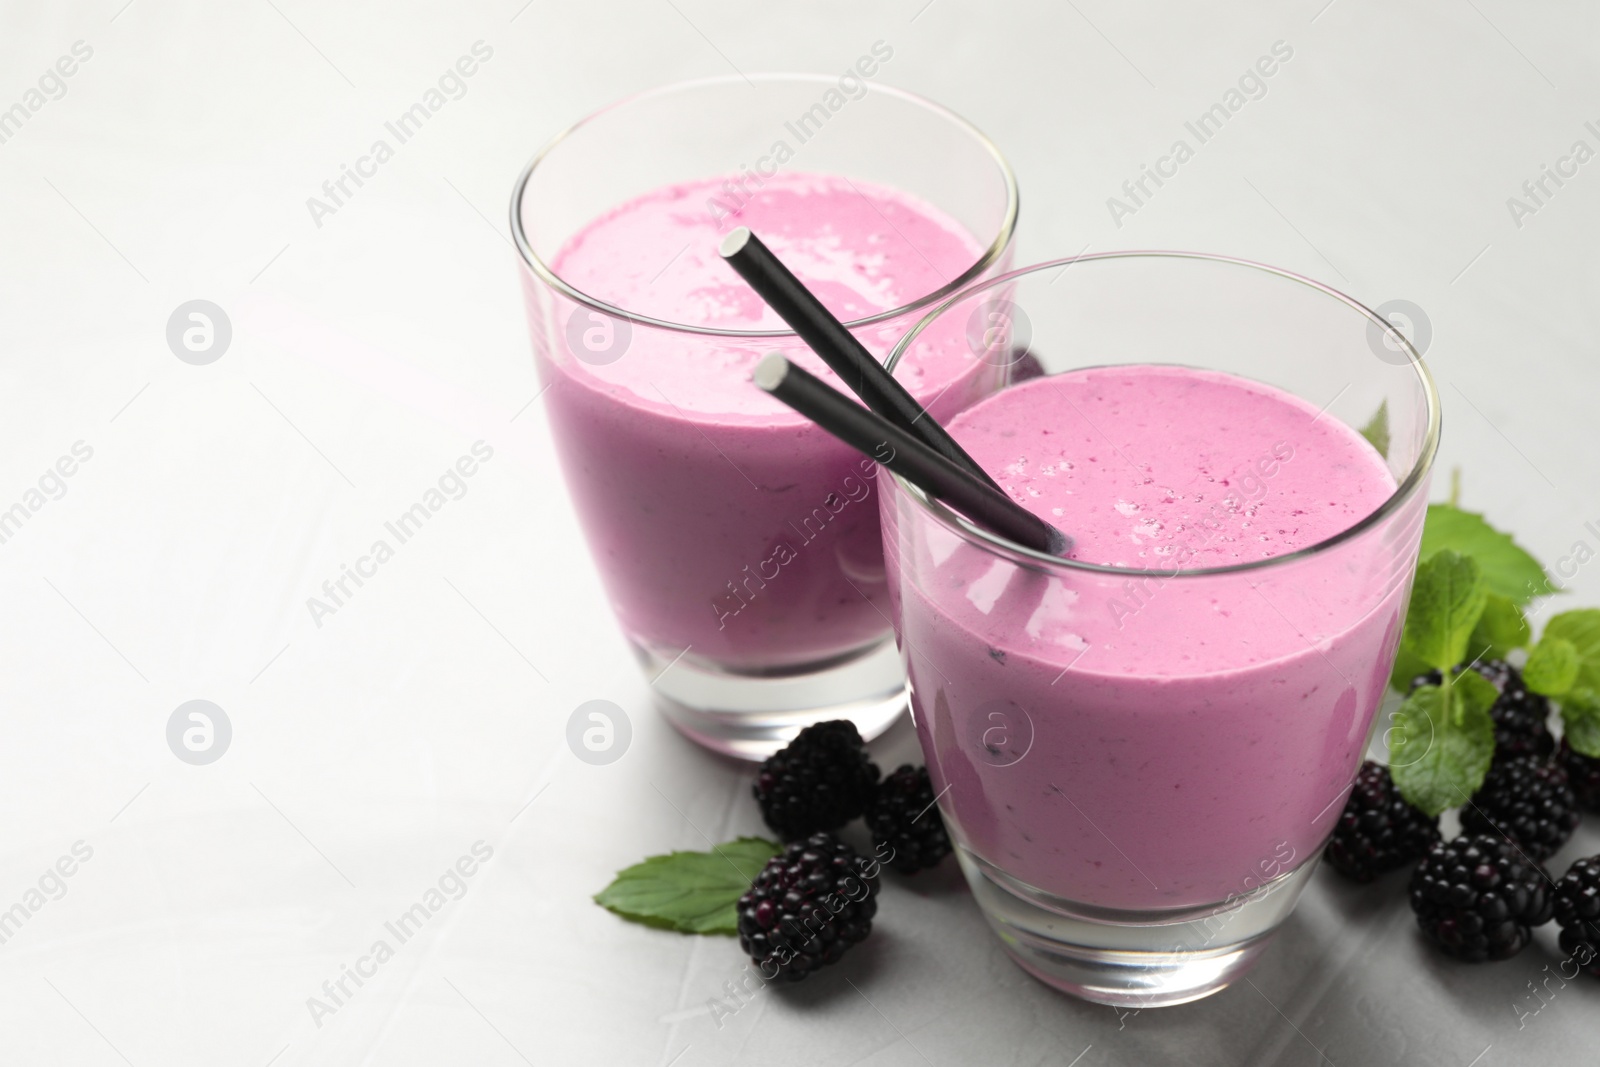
x=1478, y=897
x=819, y=781
x=905, y=821
x=1577, y=912
x=817, y=898
x=1378, y=831
x=1583, y=773
x=1526, y=800
x=807, y=906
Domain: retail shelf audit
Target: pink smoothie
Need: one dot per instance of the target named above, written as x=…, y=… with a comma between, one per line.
x=1153, y=742
x=721, y=521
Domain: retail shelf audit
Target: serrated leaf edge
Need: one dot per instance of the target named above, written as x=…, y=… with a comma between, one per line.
x=662, y=923
x=1471, y=783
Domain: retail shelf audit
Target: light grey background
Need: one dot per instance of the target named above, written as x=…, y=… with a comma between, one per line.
x=369, y=753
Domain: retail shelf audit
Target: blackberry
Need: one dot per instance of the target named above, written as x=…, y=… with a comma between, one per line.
x=1520, y=715
x=1527, y=800
x=1477, y=898
x=904, y=818
x=807, y=907
x=1025, y=365
x=819, y=781
x=1378, y=831
x=1576, y=901
x=1583, y=774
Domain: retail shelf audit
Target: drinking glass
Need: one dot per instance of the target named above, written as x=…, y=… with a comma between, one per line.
x=1135, y=836
x=741, y=554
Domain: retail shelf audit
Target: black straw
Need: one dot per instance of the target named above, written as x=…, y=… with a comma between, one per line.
x=882, y=441
x=838, y=347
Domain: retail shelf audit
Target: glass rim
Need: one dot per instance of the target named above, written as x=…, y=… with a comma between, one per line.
x=990, y=255
x=1019, y=553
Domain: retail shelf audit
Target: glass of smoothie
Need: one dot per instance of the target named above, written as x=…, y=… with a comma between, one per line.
x=1141, y=748
x=738, y=543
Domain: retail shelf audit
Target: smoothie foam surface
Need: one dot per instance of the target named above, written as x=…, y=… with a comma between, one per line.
x=862, y=248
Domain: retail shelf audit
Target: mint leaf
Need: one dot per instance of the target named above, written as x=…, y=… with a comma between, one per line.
x=1377, y=431
x=1438, y=758
x=1406, y=667
x=1582, y=629
x=1447, y=598
x=1552, y=666
x=1501, y=628
x=1580, y=721
x=1507, y=568
x=692, y=892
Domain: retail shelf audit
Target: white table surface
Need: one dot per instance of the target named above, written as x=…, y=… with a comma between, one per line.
x=371, y=751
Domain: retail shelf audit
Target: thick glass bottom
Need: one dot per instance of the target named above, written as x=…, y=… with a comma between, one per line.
x=1133, y=959
x=751, y=716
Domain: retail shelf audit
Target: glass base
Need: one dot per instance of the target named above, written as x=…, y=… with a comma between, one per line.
x=751, y=716
x=1132, y=959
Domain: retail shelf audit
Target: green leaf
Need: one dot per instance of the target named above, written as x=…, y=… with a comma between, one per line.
x=1507, y=568
x=1501, y=628
x=1580, y=721
x=1582, y=629
x=1437, y=758
x=1406, y=667
x=1552, y=666
x=692, y=892
x=1377, y=431
x=1447, y=599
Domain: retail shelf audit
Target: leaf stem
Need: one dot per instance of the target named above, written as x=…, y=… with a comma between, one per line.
x=1452, y=713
